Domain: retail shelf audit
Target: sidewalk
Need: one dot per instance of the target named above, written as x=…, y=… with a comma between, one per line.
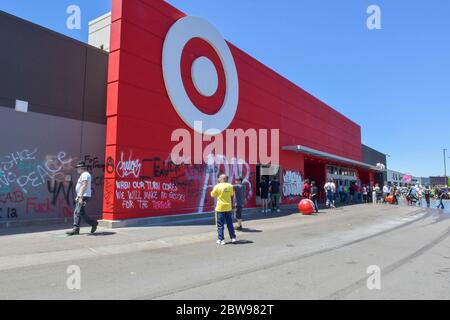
x=39, y=248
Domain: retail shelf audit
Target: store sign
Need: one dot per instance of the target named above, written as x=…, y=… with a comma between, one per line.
x=203, y=73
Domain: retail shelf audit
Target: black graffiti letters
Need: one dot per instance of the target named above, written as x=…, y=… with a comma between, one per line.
x=56, y=188
x=8, y=213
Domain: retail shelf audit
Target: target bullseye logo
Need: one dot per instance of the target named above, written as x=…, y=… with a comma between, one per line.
x=203, y=73
x=204, y=76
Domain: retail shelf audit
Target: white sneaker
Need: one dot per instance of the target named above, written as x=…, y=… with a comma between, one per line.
x=221, y=242
x=233, y=240
x=268, y=210
x=278, y=210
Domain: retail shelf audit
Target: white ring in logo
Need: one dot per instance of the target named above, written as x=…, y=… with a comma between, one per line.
x=178, y=36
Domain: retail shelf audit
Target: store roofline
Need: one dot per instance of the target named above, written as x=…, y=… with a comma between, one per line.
x=329, y=156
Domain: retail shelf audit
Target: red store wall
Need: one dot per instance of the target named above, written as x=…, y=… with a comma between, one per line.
x=141, y=118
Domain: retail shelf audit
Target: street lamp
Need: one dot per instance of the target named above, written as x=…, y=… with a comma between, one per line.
x=445, y=162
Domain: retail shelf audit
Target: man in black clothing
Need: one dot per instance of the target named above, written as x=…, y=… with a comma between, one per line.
x=264, y=192
x=275, y=193
x=315, y=195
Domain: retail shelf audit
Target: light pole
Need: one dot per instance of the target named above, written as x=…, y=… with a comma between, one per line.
x=445, y=162
x=388, y=156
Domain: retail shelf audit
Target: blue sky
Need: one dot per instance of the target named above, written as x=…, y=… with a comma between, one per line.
x=394, y=82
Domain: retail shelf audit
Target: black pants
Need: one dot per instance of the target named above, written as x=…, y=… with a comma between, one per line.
x=80, y=213
x=428, y=200
x=395, y=200
x=441, y=204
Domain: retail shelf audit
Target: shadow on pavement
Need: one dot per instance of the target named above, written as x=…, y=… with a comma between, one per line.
x=101, y=234
x=242, y=242
x=248, y=230
x=39, y=226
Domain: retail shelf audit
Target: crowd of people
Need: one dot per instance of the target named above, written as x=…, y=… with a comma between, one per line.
x=388, y=193
x=231, y=198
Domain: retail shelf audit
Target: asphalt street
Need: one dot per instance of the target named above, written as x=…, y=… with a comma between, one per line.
x=286, y=256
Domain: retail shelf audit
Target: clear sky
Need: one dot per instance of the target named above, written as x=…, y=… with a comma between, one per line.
x=394, y=82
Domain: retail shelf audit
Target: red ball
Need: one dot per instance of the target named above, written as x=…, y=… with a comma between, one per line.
x=306, y=207
x=390, y=199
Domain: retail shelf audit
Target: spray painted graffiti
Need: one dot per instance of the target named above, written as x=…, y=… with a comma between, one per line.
x=148, y=194
x=164, y=185
x=8, y=213
x=56, y=189
x=292, y=184
x=12, y=170
x=130, y=167
x=12, y=198
x=234, y=169
x=42, y=185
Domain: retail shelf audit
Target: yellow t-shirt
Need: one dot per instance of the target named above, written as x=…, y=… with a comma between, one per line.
x=223, y=192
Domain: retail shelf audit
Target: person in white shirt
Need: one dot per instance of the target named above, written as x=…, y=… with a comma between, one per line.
x=83, y=195
x=330, y=190
x=375, y=193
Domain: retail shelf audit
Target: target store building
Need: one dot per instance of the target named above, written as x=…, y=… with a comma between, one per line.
x=167, y=71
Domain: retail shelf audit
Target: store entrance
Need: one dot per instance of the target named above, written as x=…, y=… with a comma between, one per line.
x=316, y=171
x=344, y=179
x=268, y=173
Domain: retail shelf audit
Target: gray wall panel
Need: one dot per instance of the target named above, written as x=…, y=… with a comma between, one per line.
x=37, y=174
x=372, y=156
x=64, y=82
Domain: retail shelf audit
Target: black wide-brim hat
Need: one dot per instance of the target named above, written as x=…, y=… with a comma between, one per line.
x=81, y=164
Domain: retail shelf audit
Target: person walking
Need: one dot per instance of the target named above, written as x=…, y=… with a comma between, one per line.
x=375, y=193
x=427, y=193
x=306, y=189
x=223, y=193
x=394, y=192
x=420, y=195
x=357, y=193
x=275, y=193
x=441, y=196
x=83, y=195
x=341, y=192
x=314, y=197
x=365, y=193
x=264, y=192
x=369, y=193
x=330, y=190
x=409, y=195
x=239, y=202
x=352, y=193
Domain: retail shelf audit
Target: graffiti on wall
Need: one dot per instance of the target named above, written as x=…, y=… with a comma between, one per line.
x=34, y=184
x=159, y=184
x=292, y=184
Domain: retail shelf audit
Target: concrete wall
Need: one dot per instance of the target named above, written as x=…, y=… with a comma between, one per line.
x=64, y=83
x=100, y=31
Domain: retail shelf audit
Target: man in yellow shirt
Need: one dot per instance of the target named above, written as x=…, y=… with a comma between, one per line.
x=224, y=192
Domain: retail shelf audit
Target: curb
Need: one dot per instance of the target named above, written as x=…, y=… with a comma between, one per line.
x=176, y=219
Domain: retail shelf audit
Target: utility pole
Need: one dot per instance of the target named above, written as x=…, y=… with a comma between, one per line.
x=445, y=162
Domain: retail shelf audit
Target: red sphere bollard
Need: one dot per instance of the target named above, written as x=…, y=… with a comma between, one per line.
x=390, y=199
x=306, y=207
